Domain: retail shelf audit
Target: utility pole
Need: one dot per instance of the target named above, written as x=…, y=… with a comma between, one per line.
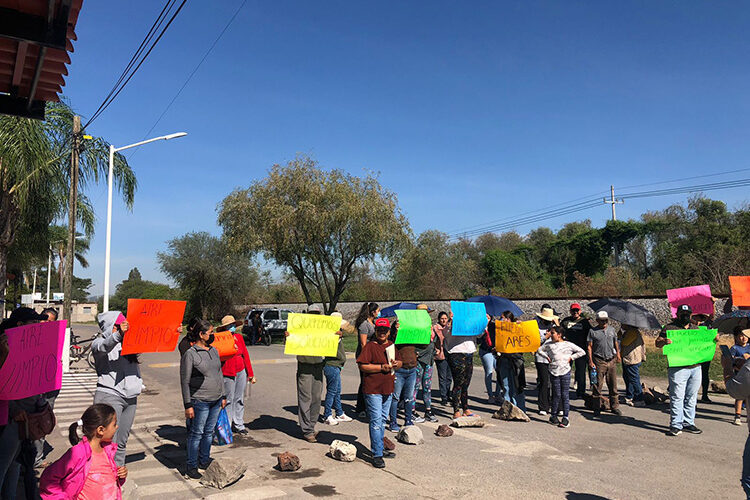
x=72, y=205
x=49, y=272
x=614, y=201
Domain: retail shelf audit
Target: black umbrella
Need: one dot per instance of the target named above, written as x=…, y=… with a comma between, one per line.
x=627, y=313
x=727, y=322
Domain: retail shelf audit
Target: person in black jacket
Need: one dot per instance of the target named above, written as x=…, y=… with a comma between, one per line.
x=576, y=330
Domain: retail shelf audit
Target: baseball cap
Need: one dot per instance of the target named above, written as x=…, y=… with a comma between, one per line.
x=602, y=315
x=575, y=305
x=25, y=314
x=382, y=323
x=684, y=308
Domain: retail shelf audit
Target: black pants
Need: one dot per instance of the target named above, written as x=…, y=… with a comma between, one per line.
x=445, y=379
x=543, y=386
x=582, y=366
x=705, y=380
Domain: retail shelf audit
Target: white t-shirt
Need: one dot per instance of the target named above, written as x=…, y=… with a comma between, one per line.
x=458, y=344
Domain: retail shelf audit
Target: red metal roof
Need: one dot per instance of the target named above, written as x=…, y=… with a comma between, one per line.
x=35, y=45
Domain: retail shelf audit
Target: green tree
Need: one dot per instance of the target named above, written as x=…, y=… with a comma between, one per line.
x=318, y=225
x=35, y=175
x=135, y=287
x=514, y=273
x=212, y=278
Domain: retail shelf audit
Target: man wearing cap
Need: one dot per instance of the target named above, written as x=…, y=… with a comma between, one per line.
x=604, y=354
x=684, y=381
x=577, y=328
x=237, y=371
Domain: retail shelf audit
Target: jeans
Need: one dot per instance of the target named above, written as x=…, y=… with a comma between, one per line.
x=561, y=393
x=424, y=381
x=202, y=432
x=489, y=365
x=333, y=391
x=10, y=469
x=403, y=387
x=543, y=388
x=632, y=376
x=508, y=382
x=745, y=480
x=684, y=382
x=378, y=406
x=444, y=378
x=234, y=388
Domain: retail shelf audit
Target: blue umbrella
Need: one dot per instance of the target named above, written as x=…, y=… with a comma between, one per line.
x=390, y=312
x=497, y=305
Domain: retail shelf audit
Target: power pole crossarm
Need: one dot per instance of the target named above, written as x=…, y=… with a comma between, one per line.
x=614, y=201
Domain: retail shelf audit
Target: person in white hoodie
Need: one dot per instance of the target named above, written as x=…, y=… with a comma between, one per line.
x=119, y=382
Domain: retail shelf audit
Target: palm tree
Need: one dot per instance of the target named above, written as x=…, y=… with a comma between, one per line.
x=35, y=178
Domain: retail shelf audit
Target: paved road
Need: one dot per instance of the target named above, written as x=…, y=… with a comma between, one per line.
x=611, y=457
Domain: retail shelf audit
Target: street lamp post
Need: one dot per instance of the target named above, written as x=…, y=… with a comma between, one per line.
x=112, y=151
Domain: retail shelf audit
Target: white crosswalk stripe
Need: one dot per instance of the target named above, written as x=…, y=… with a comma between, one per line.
x=155, y=457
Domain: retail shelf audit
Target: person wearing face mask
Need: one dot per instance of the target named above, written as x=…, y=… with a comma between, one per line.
x=119, y=376
x=202, y=394
x=237, y=371
x=684, y=381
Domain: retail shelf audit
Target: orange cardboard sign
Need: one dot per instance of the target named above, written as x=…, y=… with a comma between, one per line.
x=153, y=325
x=224, y=342
x=517, y=337
x=740, y=290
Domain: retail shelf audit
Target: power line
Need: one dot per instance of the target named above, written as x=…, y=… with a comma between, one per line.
x=195, y=70
x=122, y=82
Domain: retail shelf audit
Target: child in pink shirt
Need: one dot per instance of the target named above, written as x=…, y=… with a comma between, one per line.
x=87, y=471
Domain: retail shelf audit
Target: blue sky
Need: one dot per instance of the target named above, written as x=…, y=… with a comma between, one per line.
x=469, y=112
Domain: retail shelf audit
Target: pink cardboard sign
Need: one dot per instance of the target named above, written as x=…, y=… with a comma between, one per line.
x=697, y=297
x=34, y=364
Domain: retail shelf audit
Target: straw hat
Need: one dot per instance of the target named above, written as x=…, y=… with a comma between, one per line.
x=547, y=314
x=229, y=320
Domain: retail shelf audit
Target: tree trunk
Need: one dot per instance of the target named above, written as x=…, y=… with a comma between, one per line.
x=3, y=279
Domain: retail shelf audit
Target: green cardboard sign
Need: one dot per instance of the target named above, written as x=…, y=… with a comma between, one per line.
x=414, y=326
x=690, y=347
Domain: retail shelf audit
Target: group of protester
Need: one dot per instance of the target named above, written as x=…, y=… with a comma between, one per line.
x=392, y=376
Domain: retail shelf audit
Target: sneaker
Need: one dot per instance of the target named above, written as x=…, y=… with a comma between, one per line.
x=564, y=423
x=389, y=454
x=705, y=399
x=491, y=400
x=429, y=416
x=344, y=418
x=378, y=462
x=445, y=402
x=691, y=429
x=737, y=420
x=393, y=429
x=639, y=404
x=542, y=413
x=674, y=431
x=205, y=466
x=418, y=419
x=243, y=432
x=560, y=413
x=597, y=413
x=192, y=474
x=554, y=420
x=331, y=420
x=617, y=412
x=628, y=402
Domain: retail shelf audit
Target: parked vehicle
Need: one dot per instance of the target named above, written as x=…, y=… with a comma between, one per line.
x=273, y=323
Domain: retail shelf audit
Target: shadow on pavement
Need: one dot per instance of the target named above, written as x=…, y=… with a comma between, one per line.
x=572, y=495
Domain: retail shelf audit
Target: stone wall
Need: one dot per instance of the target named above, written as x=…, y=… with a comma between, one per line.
x=658, y=306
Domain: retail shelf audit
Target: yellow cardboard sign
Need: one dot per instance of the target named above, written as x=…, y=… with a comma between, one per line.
x=517, y=337
x=312, y=335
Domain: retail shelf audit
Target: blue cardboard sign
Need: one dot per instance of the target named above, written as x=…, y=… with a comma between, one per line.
x=469, y=318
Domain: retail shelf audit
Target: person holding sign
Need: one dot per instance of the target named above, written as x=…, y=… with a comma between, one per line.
x=365, y=325
x=684, y=381
x=203, y=395
x=19, y=410
x=119, y=380
x=560, y=354
x=511, y=372
x=441, y=363
x=425, y=357
x=237, y=371
x=460, y=352
x=377, y=362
